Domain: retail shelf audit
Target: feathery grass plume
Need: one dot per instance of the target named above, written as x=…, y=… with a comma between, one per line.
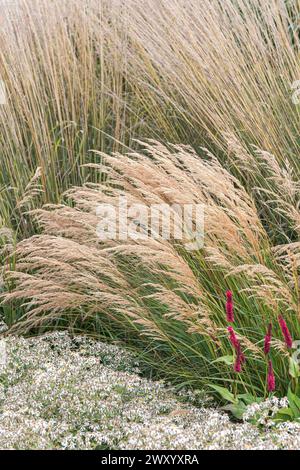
x=32, y=190
x=148, y=291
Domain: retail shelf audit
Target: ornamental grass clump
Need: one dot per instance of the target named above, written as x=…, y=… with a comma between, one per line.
x=152, y=293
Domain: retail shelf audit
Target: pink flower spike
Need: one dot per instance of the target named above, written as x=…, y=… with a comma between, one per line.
x=285, y=332
x=271, y=378
x=268, y=338
x=232, y=338
x=229, y=307
x=243, y=359
x=240, y=359
x=229, y=295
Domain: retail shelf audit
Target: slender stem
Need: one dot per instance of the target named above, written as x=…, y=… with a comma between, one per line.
x=235, y=387
x=266, y=381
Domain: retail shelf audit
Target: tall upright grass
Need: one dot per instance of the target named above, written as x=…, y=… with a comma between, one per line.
x=89, y=74
x=224, y=68
x=64, y=68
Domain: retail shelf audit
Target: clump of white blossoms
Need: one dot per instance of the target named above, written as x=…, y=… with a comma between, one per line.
x=263, y=413
x=3, y=327
x=59, y=392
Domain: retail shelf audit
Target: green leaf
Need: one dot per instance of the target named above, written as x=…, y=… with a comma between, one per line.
x=295, y=398
x=294, y=370
x=249, y=399
x=284, y=414
x=226, y=394
x=229, y=360
x=294, y=403
x=237, y=409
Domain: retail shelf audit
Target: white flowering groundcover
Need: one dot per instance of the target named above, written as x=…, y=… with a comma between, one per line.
x=59, y=392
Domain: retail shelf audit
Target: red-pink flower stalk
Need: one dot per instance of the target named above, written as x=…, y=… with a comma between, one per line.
x=271, y=378
x=240, y=359
x=229, y=307
x=243, y=359
x=232, y=338
x=285, y=332
x=268, y=338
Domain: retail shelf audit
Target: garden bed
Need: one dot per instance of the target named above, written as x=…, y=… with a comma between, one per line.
x=77, y=393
